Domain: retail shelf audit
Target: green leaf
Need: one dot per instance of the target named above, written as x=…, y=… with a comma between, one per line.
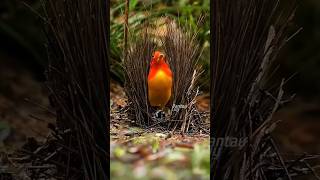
x=133, y=4
x=119, y=151
x=155, y=144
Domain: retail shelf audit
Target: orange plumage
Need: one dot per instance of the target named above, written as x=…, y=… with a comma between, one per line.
x=159, y=81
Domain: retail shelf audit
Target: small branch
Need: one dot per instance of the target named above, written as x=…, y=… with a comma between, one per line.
x=126, y=28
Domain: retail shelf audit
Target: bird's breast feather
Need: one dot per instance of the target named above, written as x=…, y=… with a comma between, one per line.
x=160, y=80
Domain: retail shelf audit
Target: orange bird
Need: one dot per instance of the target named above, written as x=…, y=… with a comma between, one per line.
x=159, y=81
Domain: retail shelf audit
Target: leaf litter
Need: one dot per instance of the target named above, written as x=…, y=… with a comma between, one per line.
x=154, y=153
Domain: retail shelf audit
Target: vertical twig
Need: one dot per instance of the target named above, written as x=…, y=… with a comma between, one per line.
x=126, y=28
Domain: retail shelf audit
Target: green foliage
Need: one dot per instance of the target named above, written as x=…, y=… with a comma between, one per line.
x=119, y=152
x=200, y=160
x=154, y=141
x=178, y=163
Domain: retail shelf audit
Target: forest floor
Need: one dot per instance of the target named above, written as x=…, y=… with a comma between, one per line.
x=153, y=154
x=23, y=106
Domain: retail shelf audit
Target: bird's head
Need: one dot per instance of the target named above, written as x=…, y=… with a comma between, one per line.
x=157, y=58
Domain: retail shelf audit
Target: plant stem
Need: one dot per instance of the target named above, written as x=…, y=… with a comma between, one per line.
x=126, y=27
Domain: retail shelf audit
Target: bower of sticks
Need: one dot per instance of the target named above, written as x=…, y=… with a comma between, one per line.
x=182, y=52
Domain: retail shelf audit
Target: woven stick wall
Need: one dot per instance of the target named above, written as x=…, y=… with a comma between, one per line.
x=247, y=36
x=182, y=52
x=78, y=82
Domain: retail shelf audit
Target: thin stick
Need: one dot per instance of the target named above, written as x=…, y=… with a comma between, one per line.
x=126, y=29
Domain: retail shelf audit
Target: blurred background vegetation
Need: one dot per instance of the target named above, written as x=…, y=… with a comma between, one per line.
x=302, y=53
x=21, y=35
